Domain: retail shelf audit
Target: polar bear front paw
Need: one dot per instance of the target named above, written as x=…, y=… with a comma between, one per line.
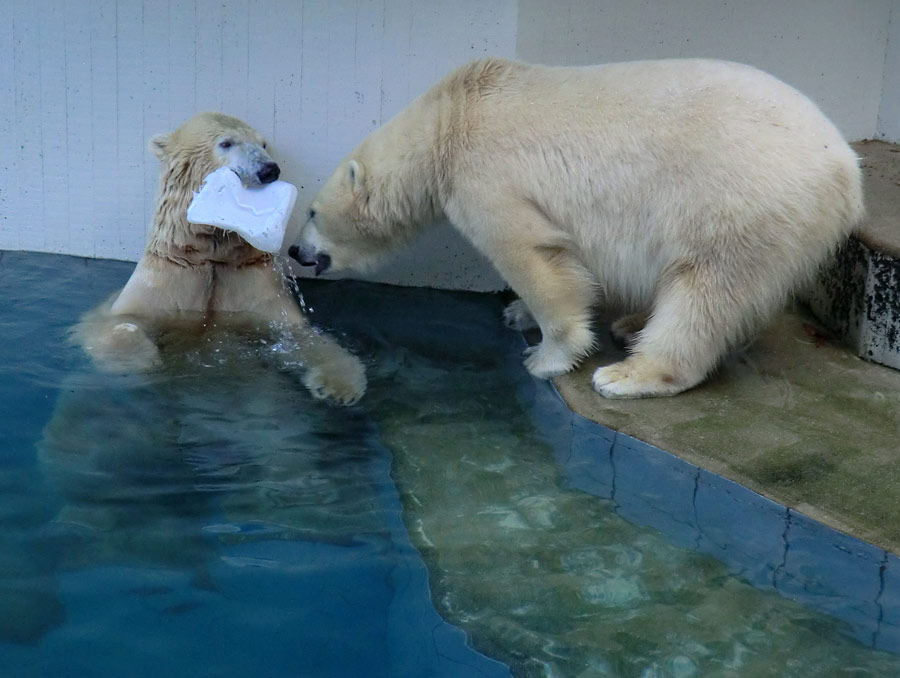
x=124, y=348
x=548, y=359
x=635, y=378
x=343, y=383
x=516, y=316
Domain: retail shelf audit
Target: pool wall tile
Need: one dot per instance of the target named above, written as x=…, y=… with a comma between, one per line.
x=588, y=465
x=656, y=489
x=887, y=636
x=832, y=572
x=768, y=544
x=740, y=528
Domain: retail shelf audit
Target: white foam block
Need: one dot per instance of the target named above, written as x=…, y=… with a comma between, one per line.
x=258, y=215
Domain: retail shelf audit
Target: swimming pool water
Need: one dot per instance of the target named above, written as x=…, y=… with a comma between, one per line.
x=213, y=519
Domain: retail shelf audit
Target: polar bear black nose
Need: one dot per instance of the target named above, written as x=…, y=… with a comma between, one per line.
x=268, y=173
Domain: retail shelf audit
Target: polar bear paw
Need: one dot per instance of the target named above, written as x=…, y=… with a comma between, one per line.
x=122, y=349
x=635, y=377
x=343, y=383
x=127, y=336
x=516, y=316
x=548, y=359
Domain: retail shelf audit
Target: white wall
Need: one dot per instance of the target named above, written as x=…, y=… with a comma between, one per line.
x=84, y=84
x=889, y=111
x=831, y=50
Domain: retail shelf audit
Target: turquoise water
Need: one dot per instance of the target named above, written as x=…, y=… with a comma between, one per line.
x=212, y=519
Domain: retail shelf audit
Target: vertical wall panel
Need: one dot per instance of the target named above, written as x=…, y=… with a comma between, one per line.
x=79, y=114
x=44, y=104
x=236, y=43
x=315, y=59
x=180, y=58
x=368, y=69
x=29, y=149
x=284, y=65
x=343, y=103
x=208, y=77
x=153, y=81
x=889, y=109
x=132, y=199
x=271, y=27
x=102, y=125
x=8, y=133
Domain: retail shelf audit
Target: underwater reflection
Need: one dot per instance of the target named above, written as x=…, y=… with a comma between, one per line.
x=545, y=576
x=218, y=448
x=552, y=580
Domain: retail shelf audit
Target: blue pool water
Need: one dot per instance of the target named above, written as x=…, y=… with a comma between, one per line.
x=212, y=519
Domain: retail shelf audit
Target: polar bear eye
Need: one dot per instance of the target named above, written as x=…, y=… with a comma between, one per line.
x=312, y=214
x=265, y=145
x=225, y=144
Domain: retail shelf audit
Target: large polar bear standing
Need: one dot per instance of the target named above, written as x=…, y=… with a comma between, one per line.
x=192, y=276
x=693, y=193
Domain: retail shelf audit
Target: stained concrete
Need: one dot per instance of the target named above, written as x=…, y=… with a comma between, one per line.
x=857, y=297
x=797, y=416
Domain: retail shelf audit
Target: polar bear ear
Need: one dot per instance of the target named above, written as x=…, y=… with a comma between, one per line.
x=158, y=145
x=356, y=176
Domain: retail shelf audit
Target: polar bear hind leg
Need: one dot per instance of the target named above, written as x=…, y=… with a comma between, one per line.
x=700, y=310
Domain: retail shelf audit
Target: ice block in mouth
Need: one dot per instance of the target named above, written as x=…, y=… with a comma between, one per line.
x=259, y=214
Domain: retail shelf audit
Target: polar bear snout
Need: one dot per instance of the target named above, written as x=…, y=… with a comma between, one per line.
x=268, y=173
x=307, y=257
x=312, y=249
x=303, y=256
x=248, y=159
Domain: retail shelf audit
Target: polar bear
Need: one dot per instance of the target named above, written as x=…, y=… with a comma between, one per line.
x=192, y=276
x=693, y=193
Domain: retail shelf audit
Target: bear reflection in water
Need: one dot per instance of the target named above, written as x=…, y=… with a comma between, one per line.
x=212, y=449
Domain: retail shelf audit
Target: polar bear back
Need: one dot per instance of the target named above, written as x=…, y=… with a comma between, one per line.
x=643, y=163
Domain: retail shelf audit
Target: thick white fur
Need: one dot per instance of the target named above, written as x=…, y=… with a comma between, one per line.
x=695, y=193
x=192, y=276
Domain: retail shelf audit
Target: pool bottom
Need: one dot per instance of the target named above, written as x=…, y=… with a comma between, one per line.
x=214, y=515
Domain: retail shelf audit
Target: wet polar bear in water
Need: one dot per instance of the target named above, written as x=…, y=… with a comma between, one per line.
x=192, y=276
x=695, y=193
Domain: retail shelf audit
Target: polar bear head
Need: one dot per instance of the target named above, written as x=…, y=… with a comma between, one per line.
x=209, y=141
x=340, y=230
x=379, y=198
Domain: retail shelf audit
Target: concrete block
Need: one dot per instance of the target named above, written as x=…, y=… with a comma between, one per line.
x=858, y=298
